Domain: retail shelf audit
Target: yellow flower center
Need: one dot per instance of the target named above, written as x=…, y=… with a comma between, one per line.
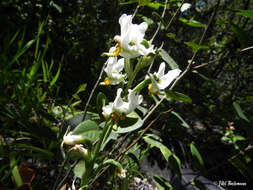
x=150, y=89
x=116, y=52
x=107, y=81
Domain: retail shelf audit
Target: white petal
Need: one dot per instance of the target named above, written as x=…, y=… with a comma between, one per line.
x=185, y=7
x=107, y=110
x=118, y=102
x=161, y=70
x=165, y=80
x=119, y=66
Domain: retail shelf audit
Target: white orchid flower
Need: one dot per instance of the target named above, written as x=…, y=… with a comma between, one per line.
x=120, y=107
x=131, y=42
x=113, y=70
x=161, y=80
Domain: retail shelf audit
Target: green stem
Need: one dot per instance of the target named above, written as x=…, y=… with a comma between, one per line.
x=105, y=133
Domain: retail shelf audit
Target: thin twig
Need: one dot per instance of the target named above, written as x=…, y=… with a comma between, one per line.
x=60, y=173
x=92, y=92
x=213, y=61
x=245, y=49
x=142, y=134
x=174, y=15
x=170, y=22
x=195, y=53
x=67, y=174
x=159, y=24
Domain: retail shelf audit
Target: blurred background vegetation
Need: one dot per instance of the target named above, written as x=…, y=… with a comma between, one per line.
x=50, y=57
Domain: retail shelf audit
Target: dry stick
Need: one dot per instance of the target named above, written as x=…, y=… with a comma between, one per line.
x=92, y=92
x=67, y=174
x=121, y=154
x=213, y=61
x=245, y=49
x=141, y=135
x=174, y=15
x=159, y=24
x=61, y=170
x=195, y=53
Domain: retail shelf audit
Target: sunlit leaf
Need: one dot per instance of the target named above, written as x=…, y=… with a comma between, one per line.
x=56, y=76
x=166, y=57
x=79, y=169
x=196, y=47
x=131, y=123
x=178, y=96
x=246, y=13
x=192, y=22
x=88, y=129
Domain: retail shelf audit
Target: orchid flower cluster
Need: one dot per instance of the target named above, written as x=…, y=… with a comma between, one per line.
x=131, y=44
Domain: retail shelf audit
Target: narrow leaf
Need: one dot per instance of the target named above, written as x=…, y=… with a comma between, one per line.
x=166, y=57
x=246, y=13
x=178, y=96
x=184, y=124
x=56, y=76
x=196, y=155
x=239, y=111
x=191, y=22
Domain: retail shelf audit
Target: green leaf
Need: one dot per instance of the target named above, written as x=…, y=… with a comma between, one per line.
x=121, y=2
x=196, y=156
x=239, y=111
x=79, y=169
x=175, y=164
x=15, y=173
x=81, y=88
x=246, y=13
x=88, y=130
x=171, y=35
x=58, y=8
x=56, y=76
x=178, y=96
x=154, y=143
x=242, y=167
x=131, y=123
x=109, y=162
x=162, y=183
x=159, y=18
x=196, y=47
x=242, y=35
x=192, y=22
x=184, y=124
x=199, y=185
x=144, y=2
x=22, y=51
x=43, y=152
x=165, y=56
x=155, y=5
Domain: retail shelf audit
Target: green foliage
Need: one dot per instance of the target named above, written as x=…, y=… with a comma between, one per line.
x=197, y=156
